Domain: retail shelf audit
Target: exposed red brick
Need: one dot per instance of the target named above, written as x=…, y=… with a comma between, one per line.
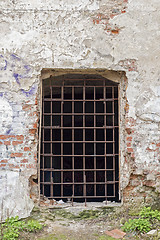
x=31, y=166
x=130, y=121
x=1, y=143
x=22, y=165
x=13, y=166
x=129, y=188
x=129, y=138
x=26, y=107
x=4, y=161
x=20, y=137
x=24, y=161
x=32, y=131
x=132, y=177
x=130, y=64
x=149, y=150
x=36, y=102
x=35, y=157
x=115, y=31
x=7, y=136
x=96, y=21
x=12, y=136
x=126, y=108
x=2, y=165
x=7, y=143
x=128, y=144
x=4, y=136
x=35, y=113
x=104, y=19
x=17, y=142
x=26, y=149
x=35, y=125
x=130, y=150
x=112, y=15
x=149, y=183
x=16, y=154
x=128, y=130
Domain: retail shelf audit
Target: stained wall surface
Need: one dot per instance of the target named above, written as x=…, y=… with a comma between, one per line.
x=120, y=35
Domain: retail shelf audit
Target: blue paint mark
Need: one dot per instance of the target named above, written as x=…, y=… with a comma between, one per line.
x=16, y=76
x=5, y=67
x=28, y=68
x=1, y=94
x=15, y=57
x=30, y=92
x=8, y=131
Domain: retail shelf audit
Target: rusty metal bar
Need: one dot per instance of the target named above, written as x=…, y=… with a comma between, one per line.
x=95, y=142
x=79, y=183
x=78, y=100
x=84, y=159
x=62, y=92
x=43, y=148
x=81, y=197
x=93, y=99
x=109, y=127
x=68, y=170
x=105, y=139
x=65, y=114
x=39, y=142
x=73, y=105
x=113, y=143
x=51, y=188
x=70, y=155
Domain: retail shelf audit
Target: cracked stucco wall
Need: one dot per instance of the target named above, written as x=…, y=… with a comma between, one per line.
x=120, y=35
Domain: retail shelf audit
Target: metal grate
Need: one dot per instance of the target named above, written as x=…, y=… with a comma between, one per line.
x=79, y=142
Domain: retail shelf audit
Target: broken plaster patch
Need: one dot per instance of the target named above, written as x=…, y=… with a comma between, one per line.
x=148, y=107
x=21, y=204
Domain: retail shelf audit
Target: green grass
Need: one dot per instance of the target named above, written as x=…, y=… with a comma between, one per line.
x=49, y=237
x=104, y=237
x=146, y=220
x=55, y=237
x=85, y=214
x=13, y=227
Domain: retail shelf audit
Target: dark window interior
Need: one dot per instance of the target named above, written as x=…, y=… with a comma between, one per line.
x=80, y=139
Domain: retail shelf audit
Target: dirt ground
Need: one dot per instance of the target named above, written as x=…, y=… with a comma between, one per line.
x=82, y=223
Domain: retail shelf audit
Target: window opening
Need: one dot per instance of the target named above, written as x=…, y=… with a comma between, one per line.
x=79, y=142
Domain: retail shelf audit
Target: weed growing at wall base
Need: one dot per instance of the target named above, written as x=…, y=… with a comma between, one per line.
x=11, y=229
x=147, y=220
x=148, y=213
x=142, y=225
